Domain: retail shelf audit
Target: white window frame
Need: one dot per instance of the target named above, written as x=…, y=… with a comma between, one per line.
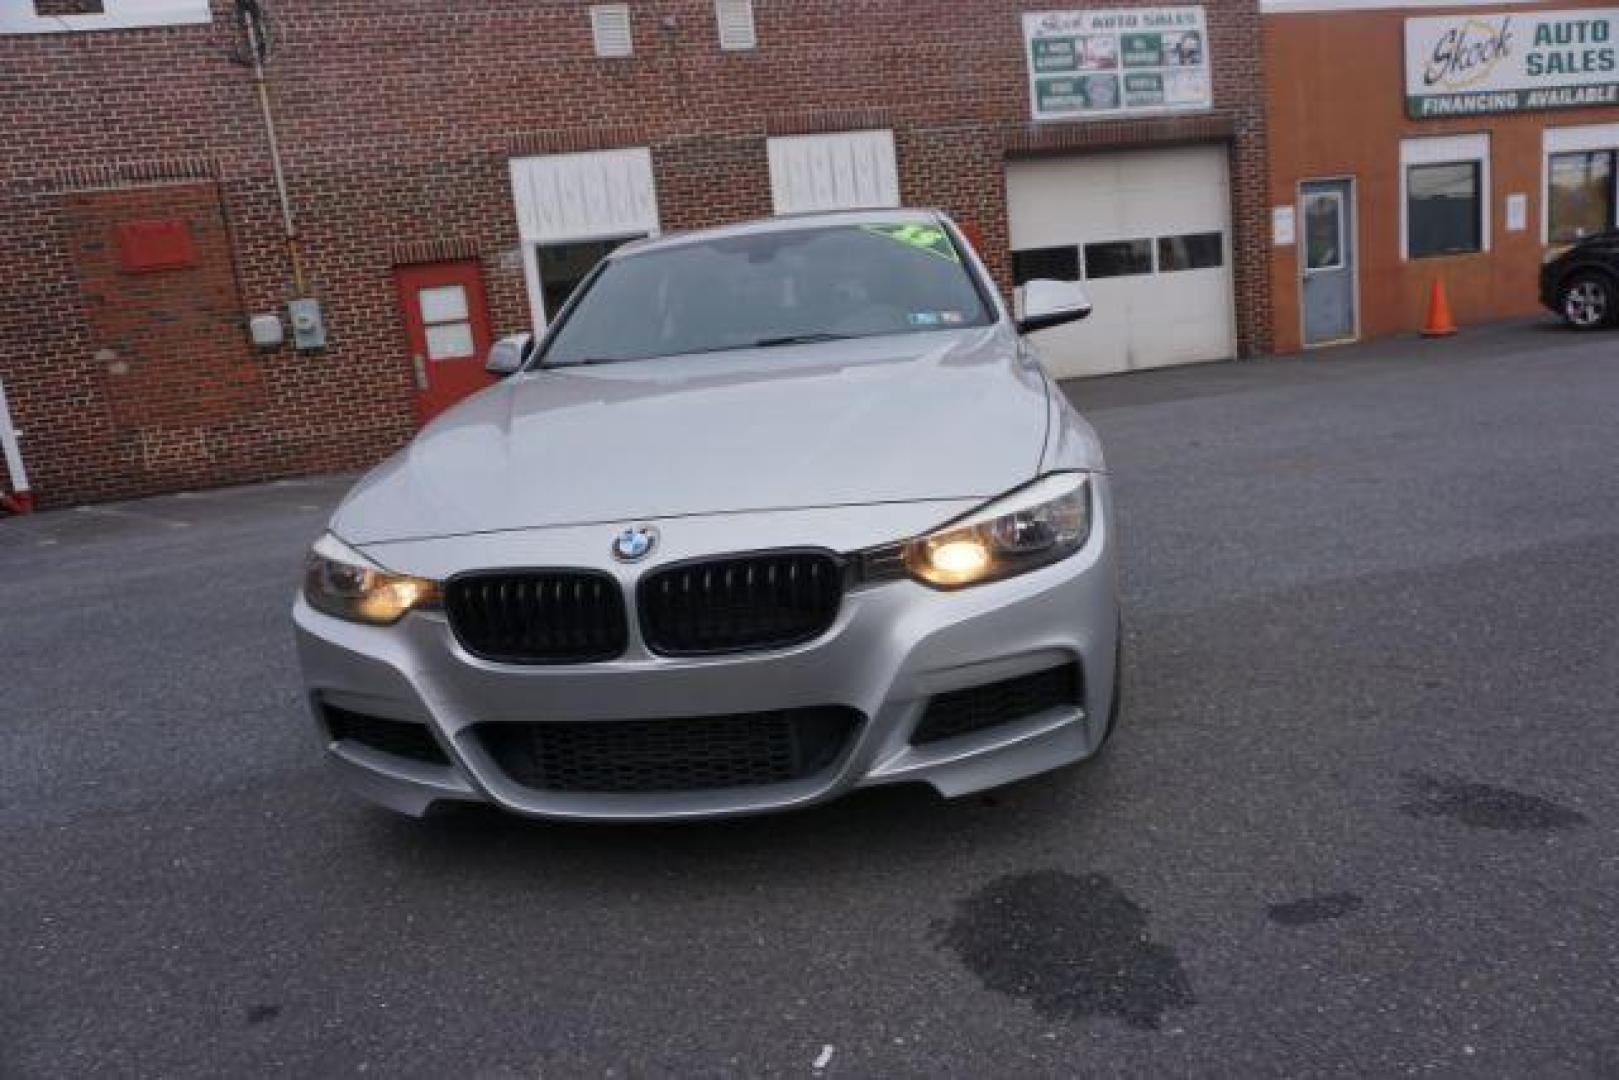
x=1446, y=150
x=1572, y=140
x=463, y=319
x=18, y=16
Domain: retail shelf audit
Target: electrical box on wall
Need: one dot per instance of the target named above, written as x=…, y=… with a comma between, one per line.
x=265, y=331
x=308, y=325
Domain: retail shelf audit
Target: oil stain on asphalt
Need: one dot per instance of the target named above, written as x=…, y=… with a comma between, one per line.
x=1484, y=806
x=1072, y=946
x=1314, y=909
x=260, y=1014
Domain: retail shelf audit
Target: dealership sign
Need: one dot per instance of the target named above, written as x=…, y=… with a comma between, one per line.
x=1461, y=65
x=1092, y=65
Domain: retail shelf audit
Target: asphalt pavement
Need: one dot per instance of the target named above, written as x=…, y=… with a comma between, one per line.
x=1360, y=816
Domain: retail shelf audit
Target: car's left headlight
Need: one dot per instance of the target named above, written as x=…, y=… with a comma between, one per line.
x=341, y=582
x=1032, y=527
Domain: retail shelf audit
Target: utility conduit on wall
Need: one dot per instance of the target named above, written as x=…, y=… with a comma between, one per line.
x=21, y=499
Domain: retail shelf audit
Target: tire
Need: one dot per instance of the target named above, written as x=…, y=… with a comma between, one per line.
x=1587, y=300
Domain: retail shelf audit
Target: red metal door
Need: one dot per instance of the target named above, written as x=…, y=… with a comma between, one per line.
x=447, y=329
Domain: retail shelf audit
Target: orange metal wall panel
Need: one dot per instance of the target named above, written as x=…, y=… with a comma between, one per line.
x=1335, y=95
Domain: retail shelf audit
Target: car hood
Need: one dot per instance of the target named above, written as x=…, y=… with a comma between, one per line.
x=932, y=415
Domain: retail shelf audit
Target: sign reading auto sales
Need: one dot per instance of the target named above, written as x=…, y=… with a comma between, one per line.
x=1091, y=65
x=1462, y=65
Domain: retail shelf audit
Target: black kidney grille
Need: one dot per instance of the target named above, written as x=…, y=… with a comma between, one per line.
x=688, y=754
x=538, y=616
x=736, y=604
x=961, y=712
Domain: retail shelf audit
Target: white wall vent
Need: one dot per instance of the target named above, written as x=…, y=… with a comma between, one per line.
x=735, y=18
x=610, y=29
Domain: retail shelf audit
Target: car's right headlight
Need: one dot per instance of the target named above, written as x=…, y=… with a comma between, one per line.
x=341, y=582
x=1035, y=526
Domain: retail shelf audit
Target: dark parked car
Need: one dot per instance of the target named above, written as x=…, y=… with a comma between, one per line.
x=1582, y=283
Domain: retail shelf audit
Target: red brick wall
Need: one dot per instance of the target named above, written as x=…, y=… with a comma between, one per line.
x=397, y=121
x=171, y=363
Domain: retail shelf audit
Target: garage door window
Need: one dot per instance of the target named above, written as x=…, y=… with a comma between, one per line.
x=1444, y=212
x=1118, y=258
x=1053, y=264
x=1193, y=251
x=1580, y=195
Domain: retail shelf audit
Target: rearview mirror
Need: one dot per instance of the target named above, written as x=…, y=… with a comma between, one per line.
x=508, y=355
x=1048, y=303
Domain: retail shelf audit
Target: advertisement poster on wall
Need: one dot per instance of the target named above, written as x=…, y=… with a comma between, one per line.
x=1463, y=65
x=1091, y=65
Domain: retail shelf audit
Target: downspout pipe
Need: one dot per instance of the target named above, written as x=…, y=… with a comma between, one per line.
x=21, y=499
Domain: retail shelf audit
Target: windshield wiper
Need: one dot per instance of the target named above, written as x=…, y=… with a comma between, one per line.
x=799, y=339
x=762, y=343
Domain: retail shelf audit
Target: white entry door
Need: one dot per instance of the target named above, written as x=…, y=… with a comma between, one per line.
x=1149, y=233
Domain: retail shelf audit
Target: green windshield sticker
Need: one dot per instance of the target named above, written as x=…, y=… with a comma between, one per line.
x=922, y=237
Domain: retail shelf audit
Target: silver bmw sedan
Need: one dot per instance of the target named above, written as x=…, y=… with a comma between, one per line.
x=771, y=512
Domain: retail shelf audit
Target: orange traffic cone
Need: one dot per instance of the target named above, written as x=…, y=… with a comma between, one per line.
x=1439, y=323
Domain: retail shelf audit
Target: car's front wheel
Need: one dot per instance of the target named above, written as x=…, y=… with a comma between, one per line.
x=1588, y=300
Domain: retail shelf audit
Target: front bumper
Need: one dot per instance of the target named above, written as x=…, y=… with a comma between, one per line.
x=893, y=648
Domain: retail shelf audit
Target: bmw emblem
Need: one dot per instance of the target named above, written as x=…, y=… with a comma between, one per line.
x=635, y=543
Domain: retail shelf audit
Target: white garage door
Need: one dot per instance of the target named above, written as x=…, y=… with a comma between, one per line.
x=1149, y=232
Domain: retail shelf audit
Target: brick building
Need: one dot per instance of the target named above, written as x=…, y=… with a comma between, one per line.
x=452, y=168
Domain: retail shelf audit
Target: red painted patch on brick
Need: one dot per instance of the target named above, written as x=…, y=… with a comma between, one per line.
x=144, y=246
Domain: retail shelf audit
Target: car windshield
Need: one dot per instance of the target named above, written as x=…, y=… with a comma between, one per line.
x=771, y=288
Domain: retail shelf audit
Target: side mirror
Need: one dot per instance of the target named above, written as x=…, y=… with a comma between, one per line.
x=508, y=355
x=1048, y=303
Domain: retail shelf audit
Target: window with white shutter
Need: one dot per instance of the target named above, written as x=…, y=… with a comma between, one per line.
x=574, y=208
x=610, y=29
x=68, y=16
x=735, y=19
x=844, y=170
